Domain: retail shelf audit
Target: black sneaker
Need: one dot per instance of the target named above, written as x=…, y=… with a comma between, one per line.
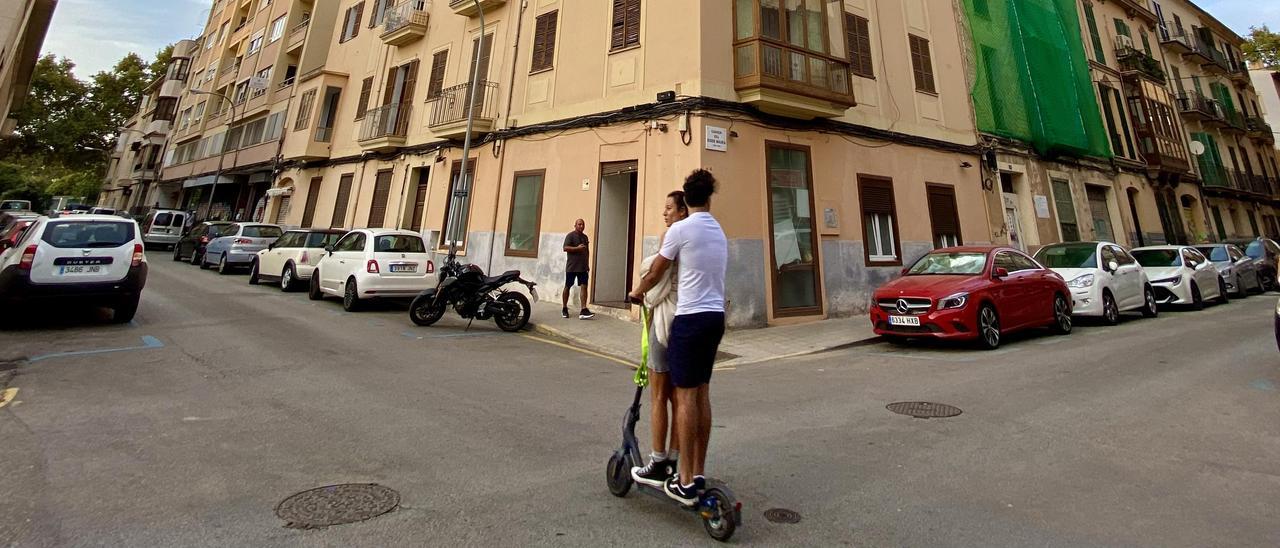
x=564, y=312
x=654, y=474
x=683, y=494
x=585, y=315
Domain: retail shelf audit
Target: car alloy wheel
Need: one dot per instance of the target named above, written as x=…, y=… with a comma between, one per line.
x=286, y=279
x=1153, y=308
x=253, y=273
x=1241, y=290
x=222, y=265
x=1197, y=301
x=989, y=327
x=1223, y=296
x=351, y=296
x=1061, y=315
x=1110, y=312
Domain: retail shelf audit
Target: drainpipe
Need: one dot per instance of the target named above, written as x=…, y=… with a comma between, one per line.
x=465, y=188
x=506, y=120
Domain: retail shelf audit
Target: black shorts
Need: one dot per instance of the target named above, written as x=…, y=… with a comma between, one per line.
x=569, y=278
x=692, y=347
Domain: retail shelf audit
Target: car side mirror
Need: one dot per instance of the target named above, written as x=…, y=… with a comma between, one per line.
x=905, y=270
x=5, y=244
x=328, y=249
x=271, y=246
x=1000, y=273
x=1113, y=266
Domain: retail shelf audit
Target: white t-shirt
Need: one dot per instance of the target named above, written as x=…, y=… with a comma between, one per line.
x=700, y=245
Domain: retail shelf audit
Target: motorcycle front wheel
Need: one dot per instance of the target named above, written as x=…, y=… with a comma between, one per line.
x=515, y=312
x=426, y=310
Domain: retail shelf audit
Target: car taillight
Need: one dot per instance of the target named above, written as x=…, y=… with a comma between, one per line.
x=306, y=259
x=137, y=255
x=431, y=267
x=372, y=267
x=242, y=241
x=204, y=239
x=28, y=257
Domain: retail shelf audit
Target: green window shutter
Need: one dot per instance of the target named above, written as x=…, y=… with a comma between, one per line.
x=1146, y=45
x=1195, y=81
x=1093, y=33
x=1122, y=28
x=1208, y=170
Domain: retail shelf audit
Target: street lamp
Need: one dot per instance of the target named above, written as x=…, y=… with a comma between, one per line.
x=465, y=187
x=222, y=154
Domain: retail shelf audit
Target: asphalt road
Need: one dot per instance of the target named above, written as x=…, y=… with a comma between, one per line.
x=222, y=399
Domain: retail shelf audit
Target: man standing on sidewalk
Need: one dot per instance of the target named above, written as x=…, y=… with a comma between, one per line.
x=575, y=269
x=700, y=245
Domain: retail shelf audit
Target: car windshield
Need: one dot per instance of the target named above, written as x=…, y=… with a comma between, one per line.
x=1215, y=253
x=1069, y=256
x=321, y=240
x=88, y=234
x=1255, y=249
x=960, y=263
x=15, y=205
x=399, y=244
x=262, y=231
x=1156, y=258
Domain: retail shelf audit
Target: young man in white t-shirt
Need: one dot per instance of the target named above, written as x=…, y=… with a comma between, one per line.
x=700, y=245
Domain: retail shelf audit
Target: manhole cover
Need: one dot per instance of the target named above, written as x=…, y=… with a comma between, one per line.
x=336, y=505
x=923, y=409
x=782, y=515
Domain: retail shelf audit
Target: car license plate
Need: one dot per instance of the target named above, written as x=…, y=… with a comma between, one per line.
x=904, y=320
x=404, y=268
x=79, y=269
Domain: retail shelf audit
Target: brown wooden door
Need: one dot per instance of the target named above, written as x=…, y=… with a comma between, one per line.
x=419, y=200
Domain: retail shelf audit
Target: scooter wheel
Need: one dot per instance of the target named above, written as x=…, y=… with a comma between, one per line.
x=618, y=474
x=721, y=519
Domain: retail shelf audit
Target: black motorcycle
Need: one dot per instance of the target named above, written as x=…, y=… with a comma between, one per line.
x=474, y=296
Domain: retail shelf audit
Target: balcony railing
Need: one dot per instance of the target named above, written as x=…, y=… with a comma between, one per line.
x=1217, y=61
x=1134, y=60
x=287, y=83
x=297, y=34
x=404, y=14
x=1196, y=104
x=1235, y=120
x=324, y=134
x=1258, y=128
x=1176, y=39
x=764, y=63
x=386, y=121
x=451, y=105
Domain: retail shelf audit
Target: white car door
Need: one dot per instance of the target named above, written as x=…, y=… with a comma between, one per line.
x=1203, y=272
x=271, y=260
x=347, y=255
x=1129, y=280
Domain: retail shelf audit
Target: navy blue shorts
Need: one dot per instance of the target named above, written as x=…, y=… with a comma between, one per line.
x=692, y=347
x=569, y=277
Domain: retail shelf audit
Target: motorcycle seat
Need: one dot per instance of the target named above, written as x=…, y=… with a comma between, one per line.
x=496, y=279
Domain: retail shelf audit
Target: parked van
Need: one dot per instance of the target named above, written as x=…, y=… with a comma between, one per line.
x=163, y=227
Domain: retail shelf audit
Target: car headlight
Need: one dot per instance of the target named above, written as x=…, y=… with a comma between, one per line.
x=1085, y=280
x=955, y=301
x=1176, y=280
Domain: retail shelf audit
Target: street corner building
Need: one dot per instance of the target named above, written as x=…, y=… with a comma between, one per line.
x=23, y=25
x=848, y=137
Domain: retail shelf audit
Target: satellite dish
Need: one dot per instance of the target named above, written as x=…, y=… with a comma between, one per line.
x=1197, y=148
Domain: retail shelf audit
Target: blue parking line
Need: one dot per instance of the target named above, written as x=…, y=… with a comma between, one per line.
x=148, y=342
x=1263, y=384
x=409, y=335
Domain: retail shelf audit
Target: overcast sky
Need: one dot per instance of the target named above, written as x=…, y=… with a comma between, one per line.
x=97, y=33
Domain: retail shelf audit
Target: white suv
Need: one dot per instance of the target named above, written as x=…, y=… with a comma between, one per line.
x=372, y=263
x=87, y=259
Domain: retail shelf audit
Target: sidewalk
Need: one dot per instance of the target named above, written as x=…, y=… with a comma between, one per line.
x=621, y=339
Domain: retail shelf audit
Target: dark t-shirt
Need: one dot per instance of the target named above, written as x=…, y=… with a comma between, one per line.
x=577, y=260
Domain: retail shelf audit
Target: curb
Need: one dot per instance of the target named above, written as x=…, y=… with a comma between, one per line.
x=544, y=329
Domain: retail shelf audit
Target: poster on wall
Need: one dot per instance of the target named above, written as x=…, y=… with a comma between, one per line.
x=1042, y=206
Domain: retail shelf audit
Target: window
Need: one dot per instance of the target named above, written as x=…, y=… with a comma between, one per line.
x=1117, y=144
x=321, y=240
x=277, y=28
x=263, y=79
x=351, y=24
x=255, y=44
x=290, y=239
x=1022, y=263
x=1066, y=210
x=544, y=41
x=242, y=92
x=399, y=243
x=264, y=5
x=943, y=216
x=304, y=110
x=1108, y=255
x=526, y=215
x=922, y=64
x=166, y=109
x=380, y=9
x=459, y=206
x=362, y=107
x=282, y=212
x=879, y=219
x=438, y=64
x=275, y=126
x=313, y=196
x=381, y=192
x=352, y=242
x=794, y=258
x=858, y=41
x=1098, y=52
x=626, y=24
x=340, y=204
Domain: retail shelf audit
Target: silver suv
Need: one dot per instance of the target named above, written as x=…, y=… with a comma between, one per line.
x=94, y=260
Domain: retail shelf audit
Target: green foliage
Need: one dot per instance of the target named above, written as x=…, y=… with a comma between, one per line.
x=161, y=64
x=1262, y=48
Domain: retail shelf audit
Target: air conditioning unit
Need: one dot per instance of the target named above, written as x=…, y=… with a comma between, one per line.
x=1124, y=42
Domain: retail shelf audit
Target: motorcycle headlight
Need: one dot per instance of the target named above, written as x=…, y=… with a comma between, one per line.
x=954, y=301
x=1085, y=280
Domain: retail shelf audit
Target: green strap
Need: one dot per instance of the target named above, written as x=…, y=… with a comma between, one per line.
x=642, y=373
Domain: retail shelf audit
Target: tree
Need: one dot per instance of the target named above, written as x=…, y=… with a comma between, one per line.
x=116, y=95
x=1262, y=48
x=52, y=122
x=161, y=64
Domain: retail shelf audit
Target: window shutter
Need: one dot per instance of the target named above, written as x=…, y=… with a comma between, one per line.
x=942, y=212
x=313, y=196
x=618, y=34
x=381, y=190
x=389, y=91
x=365, y=89
x=922, y=64
x=340, y=206
x=355, y=29
x=438, y=63
x=858, y=38
x=877, y=196
x=633, y=22
x=346, y=24
x=374, y=17
x=304, y=110
x=410, y=82
x=544, y=41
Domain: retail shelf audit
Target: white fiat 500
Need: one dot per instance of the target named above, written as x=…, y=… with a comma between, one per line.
x=1181, y=275
x=1104, y=279
x=373, y=263
x=291, y=259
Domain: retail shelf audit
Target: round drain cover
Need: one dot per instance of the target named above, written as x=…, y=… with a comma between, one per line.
x=336, y=505
x=923, y=409
x=782, y=515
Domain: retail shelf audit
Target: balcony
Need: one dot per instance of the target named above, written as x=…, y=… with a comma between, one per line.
x=787, y=81
x=1134, y=61
x=449, y=110
x=1212, y=60
x=297, y=36
x=384, y=128
x=1235, y=121
x=405, y=24
x=1196, y=106
x=228, y=74
x=1139, y=8
x=286, y=84
x=1176, y=40
x=1259, y=130
x=1239, y=73
x=469, y=8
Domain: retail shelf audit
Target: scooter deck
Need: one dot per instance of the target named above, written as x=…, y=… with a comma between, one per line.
x=660, y=493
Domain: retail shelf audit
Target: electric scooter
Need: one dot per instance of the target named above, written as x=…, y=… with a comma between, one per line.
x=719, y=509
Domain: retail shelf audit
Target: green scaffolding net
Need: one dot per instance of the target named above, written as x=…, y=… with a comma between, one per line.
x=1033, y=81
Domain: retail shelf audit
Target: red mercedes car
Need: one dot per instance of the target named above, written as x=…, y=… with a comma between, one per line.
x=971, y=293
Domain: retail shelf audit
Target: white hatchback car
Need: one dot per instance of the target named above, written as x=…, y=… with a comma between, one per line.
x=291, y=259
x=1104, y=279
x=371, y=263
x=94, y=260
x=1181, y=275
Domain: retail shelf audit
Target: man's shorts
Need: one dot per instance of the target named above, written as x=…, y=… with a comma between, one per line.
x=569, y=277
x=692, y=347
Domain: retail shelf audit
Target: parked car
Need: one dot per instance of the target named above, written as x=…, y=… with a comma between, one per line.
x=291, y=259
x=15, y=232
x=1181, y=275
x=192, y=244
x=9, y=218
x=163, y=227
x=85, y=260
x=102, y=211
x=373, y=263
x=238, y=245
x=971, y=293
x=15, y=205
x=1104, y=279
x=1265, y=253
x=1236, y=269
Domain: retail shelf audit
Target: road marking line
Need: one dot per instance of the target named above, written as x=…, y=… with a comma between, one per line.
x=148, y=342
x=7, y=396
x=582, y=350
x=410, y=335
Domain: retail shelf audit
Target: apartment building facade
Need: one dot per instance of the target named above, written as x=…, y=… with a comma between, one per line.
x=23, y=24
x=1267, y=83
